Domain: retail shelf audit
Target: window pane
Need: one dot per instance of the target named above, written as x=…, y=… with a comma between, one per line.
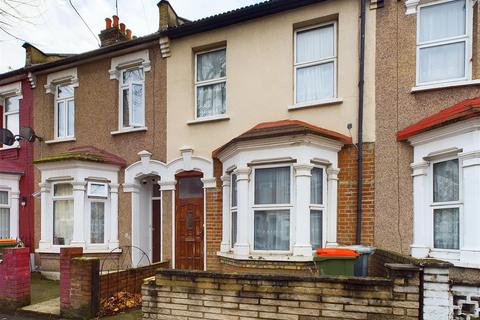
x=211, y=65
x=234, y=228
x=4, y=223
x=65, y=91
x=272, y=230
x=70, y=118
x=190, y=187
x=97, y=222
x=446, y=228
x=234, y=190
x=61, y=119
x=137, y=104
x=62, y=222
x=211, y=100
x=132, y=75
x=13, y=123
x=126, y=111
x=98, y=189
x=63, y=189
x=442, y=20
x=12, y=104
x=3, y=197
x=316, y=228
x=315, y=44
x=442, y=62
x=316, y=186
x=272, y=186
x=446, y=181
x=315, y=82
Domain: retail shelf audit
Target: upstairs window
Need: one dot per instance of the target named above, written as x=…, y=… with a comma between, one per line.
x=4, y=215
x=315, y=64
x=211, y=83
x=443, y=42
x=11, y=118
x=64, y=112
x=132, y=98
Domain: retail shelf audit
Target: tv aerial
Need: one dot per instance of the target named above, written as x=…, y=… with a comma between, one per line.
x=9, y=139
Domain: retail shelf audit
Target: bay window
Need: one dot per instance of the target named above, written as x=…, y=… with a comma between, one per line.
x=316, y=208
x=443, y=42
x=315, y=64
x=64, y=112
x=132, y=98
x=210, y=83
x=62, y=213
x=233, y=210
x=11, y=114
x=97, y=222
x=4, y=215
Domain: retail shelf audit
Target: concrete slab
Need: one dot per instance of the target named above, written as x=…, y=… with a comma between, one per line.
x=49, y=308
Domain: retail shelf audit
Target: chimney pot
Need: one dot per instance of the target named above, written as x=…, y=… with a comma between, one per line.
x=115, y=21
x=129, y=34
x=122, y=27
x=108, y=23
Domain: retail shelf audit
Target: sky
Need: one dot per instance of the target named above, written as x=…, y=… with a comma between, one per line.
x=54, y=27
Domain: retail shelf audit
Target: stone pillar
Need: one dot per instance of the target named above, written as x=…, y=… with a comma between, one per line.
x=226, y=226
x=332, y=205
x=242, y=248
x=303, y=174
x=420, y=247
x=406, y=290
x=114, y=242
x=46, y=217
x=437, y=301
x=14, y=214
x=470, y=251
x=78, y=238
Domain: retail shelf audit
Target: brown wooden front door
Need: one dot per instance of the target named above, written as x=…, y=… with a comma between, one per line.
x=189, y=221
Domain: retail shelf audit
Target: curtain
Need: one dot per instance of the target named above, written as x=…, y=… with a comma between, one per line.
x=234, y=191
x=211, y=65
x=315, y=82
x=234, y=227
x=316, y=223
x=62, y=222
x=272, y=230
x=211, y=100
x=63, y=189
x=316, y=186
x=97, y=222
x=4, y=223
x=446, y=228
x=315, y=44
x=442, y=21
x=3, y=197
x=70, y=118
x=12, y=104
x=446, y=181
x=60, y=117
x=272, y=185
x=126, y=110
x=442, y=62
x=133, y=75
x=137, y=104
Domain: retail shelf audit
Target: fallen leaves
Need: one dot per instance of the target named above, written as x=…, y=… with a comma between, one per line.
x=120, y=302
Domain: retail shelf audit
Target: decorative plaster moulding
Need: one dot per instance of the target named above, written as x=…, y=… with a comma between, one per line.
x=411, y=6
x=68, y=76
x=134, y=59
x=165, y=47
x=11, y=89
x=446, y=131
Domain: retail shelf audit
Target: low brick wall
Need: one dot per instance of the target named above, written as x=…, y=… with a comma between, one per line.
x=14, y=279
x=130, y=280
x=381, y=257
x=179, y=295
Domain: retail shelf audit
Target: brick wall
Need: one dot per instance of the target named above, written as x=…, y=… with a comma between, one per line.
x=66, y=256
x=14, y=279
x=213, y=205
x=178, y=295
x=347, y=194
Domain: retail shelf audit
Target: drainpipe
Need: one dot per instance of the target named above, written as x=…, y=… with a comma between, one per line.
x=360, y=122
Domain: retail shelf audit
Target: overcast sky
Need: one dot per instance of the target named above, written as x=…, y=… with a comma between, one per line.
x=53, y=25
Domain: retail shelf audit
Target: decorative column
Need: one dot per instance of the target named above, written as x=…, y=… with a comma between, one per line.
x=114, y=242
x=134, y=189
x=226, y=227
x=470, y=251
x=168, y=220
x=303, y=175
x=14, y=214
x=332, y=204
x=46, y=217
x=78, y=238
x=242, y=248
x=420, y=248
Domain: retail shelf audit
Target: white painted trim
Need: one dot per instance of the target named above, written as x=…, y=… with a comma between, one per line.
x=445, y=85
x=128, y=130
x=266, y=257
x=411, y=6
x=11, y=89
x=313, y=104
x=209, y=119
x=67, y=76
x=56, y=121
x=61, y=140
x=173, y=229
x=139, y=58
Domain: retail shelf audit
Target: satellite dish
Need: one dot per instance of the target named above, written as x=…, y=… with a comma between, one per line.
x=7, y=137
x=28, y=134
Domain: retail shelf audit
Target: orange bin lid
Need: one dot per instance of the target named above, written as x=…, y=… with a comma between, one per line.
x=336, y=252
x=8, y=241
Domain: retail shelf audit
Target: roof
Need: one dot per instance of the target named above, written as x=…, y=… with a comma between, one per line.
x=86, y=153
x=11, y=167
x=284, y=128
x=466, y=109
x=228, y=18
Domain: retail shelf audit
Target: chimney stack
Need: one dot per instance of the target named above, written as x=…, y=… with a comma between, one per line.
x=114, y=32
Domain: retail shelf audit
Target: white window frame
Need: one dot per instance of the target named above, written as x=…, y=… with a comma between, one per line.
x=446, y=205
x=210, y=82
x=6, y=114
x=97, y=196
x=271, y=207
x=65, y=120
x=323, y=206
x=333, y=59
x=467, y=39
x=106, y=222
x=59, y=198
x=7, y=206
x=129, y=86
x=232, y=210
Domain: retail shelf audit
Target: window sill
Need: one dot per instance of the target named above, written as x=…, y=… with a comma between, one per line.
x=208, y=119
x=56, y=250
x=129, y=130
x=60, y=140
x=266, y=257
x=445, y=85
x=318, y=103
x=10, y=147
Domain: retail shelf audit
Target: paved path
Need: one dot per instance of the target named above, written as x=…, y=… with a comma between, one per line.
x=9, y=317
